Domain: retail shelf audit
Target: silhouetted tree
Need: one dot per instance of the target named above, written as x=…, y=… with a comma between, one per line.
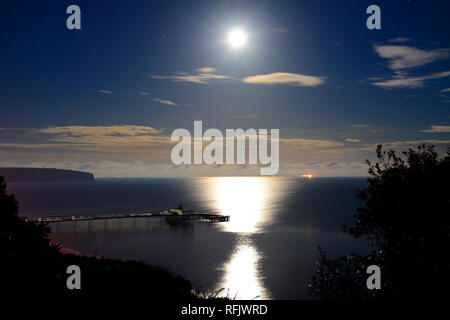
x=406, y=221
x=31, y=263
x=28, y=256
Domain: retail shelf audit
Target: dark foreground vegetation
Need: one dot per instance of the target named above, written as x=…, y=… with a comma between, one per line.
x=405, y=221
x=31, y=263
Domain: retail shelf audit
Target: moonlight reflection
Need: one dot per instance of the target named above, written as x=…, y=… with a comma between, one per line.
x=245, y=199
x=242, y=274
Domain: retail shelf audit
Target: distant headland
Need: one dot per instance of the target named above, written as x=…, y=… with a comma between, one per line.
x=44, y=175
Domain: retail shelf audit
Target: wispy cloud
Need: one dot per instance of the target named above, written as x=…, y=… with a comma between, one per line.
x=168, y=102
x=109, y=139
x=373, y=78
x=438, y=129
x=352, y=140
x=303, y=144
x=132, y=150
x=404, y=57
x=105, y=91
x=399, y=40
x=361, y=125
x=410, y=82
x=284, y=78
x=403, y=145
x=204, y=75
x=125, y=93
x=88, y=143
x=123, y=130
x=206, y=70
x=445, y=90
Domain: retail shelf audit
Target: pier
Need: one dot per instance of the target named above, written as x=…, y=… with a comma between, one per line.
x=162, y=217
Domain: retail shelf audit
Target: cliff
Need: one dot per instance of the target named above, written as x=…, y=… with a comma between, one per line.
x=44, y=175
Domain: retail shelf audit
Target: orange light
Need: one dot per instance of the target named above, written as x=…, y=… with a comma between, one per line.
x=309, y=176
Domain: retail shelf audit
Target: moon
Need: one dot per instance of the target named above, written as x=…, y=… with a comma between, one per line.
x=237, y=38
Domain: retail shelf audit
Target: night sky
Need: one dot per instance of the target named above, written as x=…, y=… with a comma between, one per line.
x=106, y=98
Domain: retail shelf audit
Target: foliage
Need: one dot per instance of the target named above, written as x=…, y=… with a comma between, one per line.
x=31, y=263
x=405, y=221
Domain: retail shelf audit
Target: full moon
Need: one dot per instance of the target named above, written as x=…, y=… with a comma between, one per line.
x=236, y=38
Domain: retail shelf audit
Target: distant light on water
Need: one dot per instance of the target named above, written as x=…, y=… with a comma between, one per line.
x=309, y=175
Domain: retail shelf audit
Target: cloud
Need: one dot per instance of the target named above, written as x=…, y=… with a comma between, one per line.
x=374, y=78
x=361, y=125
x=352, y=140
x=121, y=130
x=445, y=90
x=125, y=93
x=438, y=129
x=404, y=145
x=404, y=57
x=399, y=40
x=325, y=168
x=284, y=78
x=203, y=76
x=206, y=70
x=124, y=140
x=410, y=82
x=105, y=91
x=301, y=144
x=131, y=150
x=168, y=102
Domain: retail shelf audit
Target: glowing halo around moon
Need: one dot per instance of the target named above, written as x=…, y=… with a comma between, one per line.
x=237, y=38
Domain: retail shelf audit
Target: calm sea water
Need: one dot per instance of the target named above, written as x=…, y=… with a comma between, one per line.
x=267, y=250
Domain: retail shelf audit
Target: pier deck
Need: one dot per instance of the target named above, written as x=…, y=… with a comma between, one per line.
x=169, y=218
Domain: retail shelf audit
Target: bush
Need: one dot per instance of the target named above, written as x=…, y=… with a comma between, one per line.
x=31, y=263
x=406, y=222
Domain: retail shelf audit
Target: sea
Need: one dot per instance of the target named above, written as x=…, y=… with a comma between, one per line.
x=268, y=249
